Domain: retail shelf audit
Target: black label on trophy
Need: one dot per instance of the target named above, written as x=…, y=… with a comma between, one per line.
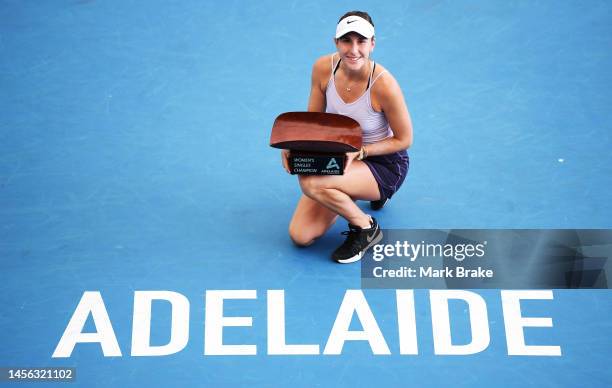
x=316, y=164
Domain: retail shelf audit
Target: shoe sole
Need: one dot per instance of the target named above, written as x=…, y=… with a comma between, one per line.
x=358, y=256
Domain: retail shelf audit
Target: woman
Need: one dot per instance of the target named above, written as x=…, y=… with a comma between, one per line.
x=348, y=82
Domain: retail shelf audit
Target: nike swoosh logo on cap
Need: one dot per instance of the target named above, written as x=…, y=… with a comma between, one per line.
x=350, y=21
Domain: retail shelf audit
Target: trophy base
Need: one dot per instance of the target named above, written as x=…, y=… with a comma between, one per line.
x=314, y=163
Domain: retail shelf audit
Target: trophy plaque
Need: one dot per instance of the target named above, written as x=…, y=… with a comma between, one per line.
x=317, y=142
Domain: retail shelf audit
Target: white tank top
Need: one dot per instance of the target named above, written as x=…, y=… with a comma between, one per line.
x=374, y=124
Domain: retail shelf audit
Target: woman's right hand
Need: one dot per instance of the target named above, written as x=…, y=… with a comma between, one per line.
x=285, y=160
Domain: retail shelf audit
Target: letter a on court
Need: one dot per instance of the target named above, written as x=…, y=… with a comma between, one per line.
x=332, y=164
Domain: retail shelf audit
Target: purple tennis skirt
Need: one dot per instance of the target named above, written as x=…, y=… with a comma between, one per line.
x=389, y=171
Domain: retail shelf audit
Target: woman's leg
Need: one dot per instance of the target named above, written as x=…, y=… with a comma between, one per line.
x=310, y=221
x=326, y=196
x=339, y=192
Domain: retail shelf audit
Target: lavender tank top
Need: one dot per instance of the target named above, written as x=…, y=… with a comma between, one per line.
x=374, y=124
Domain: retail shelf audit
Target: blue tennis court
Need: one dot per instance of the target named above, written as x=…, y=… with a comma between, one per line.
x=134, y=156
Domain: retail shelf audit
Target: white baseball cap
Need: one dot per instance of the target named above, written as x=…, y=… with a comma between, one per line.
x=355, y=24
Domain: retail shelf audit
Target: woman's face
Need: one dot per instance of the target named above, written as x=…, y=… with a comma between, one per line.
x=354, y=50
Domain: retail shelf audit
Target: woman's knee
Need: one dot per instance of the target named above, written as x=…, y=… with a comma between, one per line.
x=310, y=185
x=300, y=237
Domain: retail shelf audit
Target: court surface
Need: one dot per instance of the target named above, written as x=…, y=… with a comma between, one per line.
x=134, y=156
